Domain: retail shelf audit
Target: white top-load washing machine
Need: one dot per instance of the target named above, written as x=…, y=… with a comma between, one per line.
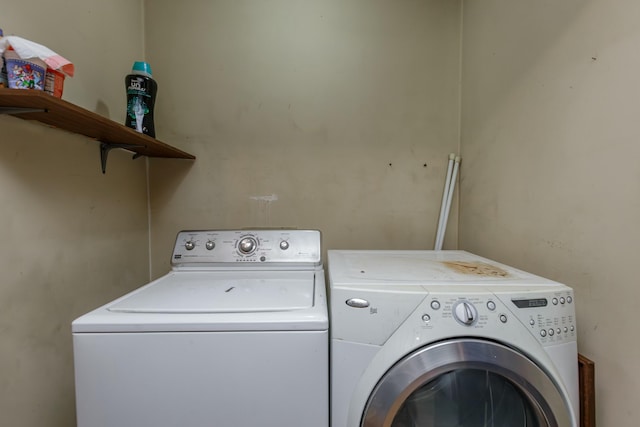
x=448, y=339
x=236, y=335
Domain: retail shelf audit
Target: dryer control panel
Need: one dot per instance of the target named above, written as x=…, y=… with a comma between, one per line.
x=549, y=315
x=268, y=246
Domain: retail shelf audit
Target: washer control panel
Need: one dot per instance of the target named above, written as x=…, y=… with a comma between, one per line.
x=247, y=246
x=549, y=316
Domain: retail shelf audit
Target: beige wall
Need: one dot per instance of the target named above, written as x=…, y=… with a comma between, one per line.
x=72, y=238
x=309, y=114
x=322, y=115
x=551, y=158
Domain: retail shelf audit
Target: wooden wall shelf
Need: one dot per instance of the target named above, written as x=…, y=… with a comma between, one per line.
x=44, y=108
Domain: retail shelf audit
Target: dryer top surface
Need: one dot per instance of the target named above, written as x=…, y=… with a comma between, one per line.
x=426, y=269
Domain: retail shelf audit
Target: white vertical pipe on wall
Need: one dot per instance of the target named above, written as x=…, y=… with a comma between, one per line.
x=445, y=194
x=452, y=186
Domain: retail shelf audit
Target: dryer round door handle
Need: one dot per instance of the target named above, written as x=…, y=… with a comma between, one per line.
x=465, y=313
x=357, y=303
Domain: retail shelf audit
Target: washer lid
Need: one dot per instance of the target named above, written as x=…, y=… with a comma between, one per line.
x=221, y=292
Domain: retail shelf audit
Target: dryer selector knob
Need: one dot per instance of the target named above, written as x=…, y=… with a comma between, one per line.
x=465, y=313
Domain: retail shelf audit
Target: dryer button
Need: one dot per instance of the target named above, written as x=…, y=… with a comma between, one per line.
x=357, y=303
x=491, y=305
x=435, y=304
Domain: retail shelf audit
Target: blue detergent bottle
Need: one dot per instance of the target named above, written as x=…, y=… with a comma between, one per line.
x=141, y=98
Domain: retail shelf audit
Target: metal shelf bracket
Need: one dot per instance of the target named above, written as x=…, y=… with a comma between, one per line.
x=105, y=148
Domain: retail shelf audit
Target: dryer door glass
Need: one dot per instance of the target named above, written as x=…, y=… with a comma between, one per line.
x=467, y=383
x=469, y=398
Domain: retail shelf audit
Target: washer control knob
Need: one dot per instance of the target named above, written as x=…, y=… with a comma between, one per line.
x=465, y=313
x=189, y=245
x=284, y=245
x=210, y=245
x=247, y=245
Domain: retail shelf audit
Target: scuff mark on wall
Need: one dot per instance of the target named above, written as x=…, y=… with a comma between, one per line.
x=263, y=216
x=269, y=198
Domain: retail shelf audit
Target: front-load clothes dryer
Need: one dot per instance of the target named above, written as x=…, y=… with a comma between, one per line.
x=236, y=335
x=448, y=339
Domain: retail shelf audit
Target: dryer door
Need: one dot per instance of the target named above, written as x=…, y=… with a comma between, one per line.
x=466, y=383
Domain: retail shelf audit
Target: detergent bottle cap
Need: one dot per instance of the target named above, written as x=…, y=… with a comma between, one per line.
x=140, y=67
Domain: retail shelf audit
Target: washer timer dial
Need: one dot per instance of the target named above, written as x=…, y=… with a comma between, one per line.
x=247, y=245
